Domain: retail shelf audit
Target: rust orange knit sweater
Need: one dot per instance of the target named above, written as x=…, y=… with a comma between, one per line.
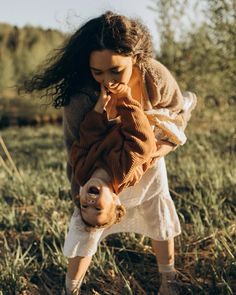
x=123, y=149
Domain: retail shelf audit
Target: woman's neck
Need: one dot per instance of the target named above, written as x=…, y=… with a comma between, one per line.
x=135, y=84
x=135, y=77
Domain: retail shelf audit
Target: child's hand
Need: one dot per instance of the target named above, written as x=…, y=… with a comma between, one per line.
x=119, y=90
x=115, y=92
x=103, y=100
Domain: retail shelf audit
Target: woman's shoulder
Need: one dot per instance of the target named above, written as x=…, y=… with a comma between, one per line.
x=80, y=104
x=158, y=71
x=161, y=85
x=83, y=98
x=77, y=103
x=154, y=63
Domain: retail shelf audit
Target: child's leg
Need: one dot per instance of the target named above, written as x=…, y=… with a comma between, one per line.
x=76, y=270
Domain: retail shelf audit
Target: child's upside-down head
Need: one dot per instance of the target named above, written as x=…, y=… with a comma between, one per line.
x=99, y=206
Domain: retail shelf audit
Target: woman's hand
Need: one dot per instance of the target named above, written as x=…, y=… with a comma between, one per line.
x=163, y=149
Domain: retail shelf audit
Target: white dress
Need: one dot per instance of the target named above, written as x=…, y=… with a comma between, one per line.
x=150, y=211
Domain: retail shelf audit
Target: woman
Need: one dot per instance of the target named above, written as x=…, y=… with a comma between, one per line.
x=114, y=49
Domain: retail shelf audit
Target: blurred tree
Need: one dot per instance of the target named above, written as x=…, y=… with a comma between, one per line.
x=7, y=70
x=201, y=56
x=22, y=50
x=221, y=15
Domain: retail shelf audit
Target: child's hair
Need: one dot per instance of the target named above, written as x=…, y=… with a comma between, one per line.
x=68, y=70
x=117, y=212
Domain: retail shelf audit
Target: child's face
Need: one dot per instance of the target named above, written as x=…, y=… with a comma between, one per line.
x=109, y=68
x=97, y=202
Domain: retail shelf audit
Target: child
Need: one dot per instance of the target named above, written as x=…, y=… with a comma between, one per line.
x=109, y=155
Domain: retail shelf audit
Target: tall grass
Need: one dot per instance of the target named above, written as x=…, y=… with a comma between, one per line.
x=34, y=216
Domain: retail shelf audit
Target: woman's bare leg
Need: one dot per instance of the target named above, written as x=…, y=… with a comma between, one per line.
x=164, y=251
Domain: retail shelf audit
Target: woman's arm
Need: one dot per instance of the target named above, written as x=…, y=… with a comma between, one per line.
x=73, y=115
x=164, y=92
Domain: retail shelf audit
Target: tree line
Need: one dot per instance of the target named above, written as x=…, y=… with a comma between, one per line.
x=22, y=50
x=202, y=57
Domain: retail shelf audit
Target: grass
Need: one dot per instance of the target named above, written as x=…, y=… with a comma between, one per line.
x=34, y=217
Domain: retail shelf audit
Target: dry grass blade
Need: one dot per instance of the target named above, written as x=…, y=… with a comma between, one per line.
x=5, y=166
x=49, y=292
x=201, y=240
x=173, y=192
x=10, y=159
x=129, y=250
x=135, y=282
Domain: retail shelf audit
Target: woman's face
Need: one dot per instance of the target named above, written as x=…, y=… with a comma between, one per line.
x=109, y=68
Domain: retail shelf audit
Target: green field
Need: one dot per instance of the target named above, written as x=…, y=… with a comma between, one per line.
x=34, y=217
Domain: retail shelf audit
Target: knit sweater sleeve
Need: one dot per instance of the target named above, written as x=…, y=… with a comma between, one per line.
x=73, y=114
x=165, y=92
x=119, y=150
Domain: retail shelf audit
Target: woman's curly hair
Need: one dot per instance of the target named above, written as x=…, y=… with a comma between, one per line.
x=67, y=71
